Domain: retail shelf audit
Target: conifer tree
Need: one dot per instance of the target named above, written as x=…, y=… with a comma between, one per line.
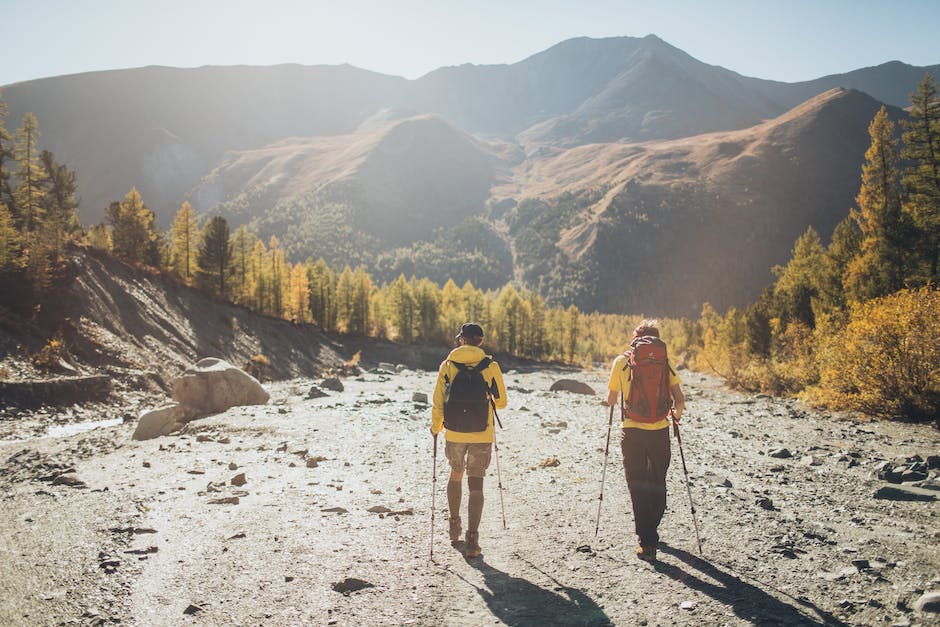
x=322, y=295
x=798, y=282
x=362, y=297
x=345, y=300
x=259, y=278
x=572, y=331
x=299, y=293
x=451, y=309
x=402, y=307
x=879, y=269
x=277, y=276
x=184, y=242
x=921, y=176
x=133, y=237
x=9, y=239
x=6, y=157
x=29, y=175
x=99, y=236
x=242, y=245
x=428, y=308
x=60, y=188
x=215, y=255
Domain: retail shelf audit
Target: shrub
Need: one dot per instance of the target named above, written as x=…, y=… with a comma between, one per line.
x=886, y=360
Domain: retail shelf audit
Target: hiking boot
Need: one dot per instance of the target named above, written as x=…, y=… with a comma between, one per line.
x=472, y=548
x=646, y=553
x=455, y=530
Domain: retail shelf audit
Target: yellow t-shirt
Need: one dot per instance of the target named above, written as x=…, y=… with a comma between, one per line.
x=620, y=382
x=469, y=355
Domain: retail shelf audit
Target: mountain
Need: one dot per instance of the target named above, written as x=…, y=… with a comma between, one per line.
x=667, y=226
x=541, y=170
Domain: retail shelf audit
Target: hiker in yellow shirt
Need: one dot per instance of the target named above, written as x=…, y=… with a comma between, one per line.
x=469, y=384
x=648, y=390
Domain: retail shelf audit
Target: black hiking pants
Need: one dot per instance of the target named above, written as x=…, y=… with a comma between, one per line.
x=645, y=461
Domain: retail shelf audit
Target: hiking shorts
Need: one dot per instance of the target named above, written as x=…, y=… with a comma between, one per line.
x=472, y=457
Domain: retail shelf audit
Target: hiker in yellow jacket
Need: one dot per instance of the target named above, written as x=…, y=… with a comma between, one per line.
x=645, y=434
x=469, y=382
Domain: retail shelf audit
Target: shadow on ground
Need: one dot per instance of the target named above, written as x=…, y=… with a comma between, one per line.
x=519, y=602
x=748, y=602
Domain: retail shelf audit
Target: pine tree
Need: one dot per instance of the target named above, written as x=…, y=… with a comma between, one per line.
x=29, y=174
x=798, y=282
x=879, y=269
x=299, y=300
x=402, y=307
x=362, y=294
x=6, y=156
x=9, y=240
x=215, y=255
x=277, y=276
x=572, y=331
x=345, y=300
x=921, y=175
x=259, y=281
x=322, y=295
x=428, y=302
x=184, y=242
x=451, y=309
x=99, y=236
x=60, y=188
x=242, y=245
x=133, y=237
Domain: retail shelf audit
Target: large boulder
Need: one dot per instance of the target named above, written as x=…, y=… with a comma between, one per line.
x=161, y=421
x=571, y=385
x=213, y=385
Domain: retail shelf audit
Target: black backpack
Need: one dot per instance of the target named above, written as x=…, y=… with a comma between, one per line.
x=466, y=401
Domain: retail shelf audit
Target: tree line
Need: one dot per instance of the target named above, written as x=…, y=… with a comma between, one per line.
x=854, y=323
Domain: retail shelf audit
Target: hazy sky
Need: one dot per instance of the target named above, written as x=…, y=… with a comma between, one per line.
x=787, y=40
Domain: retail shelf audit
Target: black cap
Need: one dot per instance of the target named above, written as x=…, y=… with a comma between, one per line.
x=470, y=330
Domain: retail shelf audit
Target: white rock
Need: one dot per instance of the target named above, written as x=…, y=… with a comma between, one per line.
x=161, y=421
x=213, y=385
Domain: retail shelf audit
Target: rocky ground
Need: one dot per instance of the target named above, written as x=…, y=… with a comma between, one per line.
x=317, y=511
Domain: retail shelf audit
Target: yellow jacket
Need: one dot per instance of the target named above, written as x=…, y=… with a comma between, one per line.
x=470, y=355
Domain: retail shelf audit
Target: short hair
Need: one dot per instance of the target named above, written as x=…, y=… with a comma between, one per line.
x=648, y=327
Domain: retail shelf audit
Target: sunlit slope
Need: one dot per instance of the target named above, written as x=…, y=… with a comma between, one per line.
x=666, y=226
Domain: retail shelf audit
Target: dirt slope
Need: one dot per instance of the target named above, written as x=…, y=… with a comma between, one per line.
x=787, y=541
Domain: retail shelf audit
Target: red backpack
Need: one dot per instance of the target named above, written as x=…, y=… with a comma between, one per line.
x=649, y=399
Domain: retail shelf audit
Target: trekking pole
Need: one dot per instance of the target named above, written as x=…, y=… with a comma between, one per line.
x=499, y=476
x=600, y=499
x=675, y=430
x=433, y=496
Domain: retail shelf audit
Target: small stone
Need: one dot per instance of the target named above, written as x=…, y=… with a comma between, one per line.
x=312, y=462
x=766, y=503
x=226, y=500
x=378, y=509
x=420, y=397
x=70, y=479
x=573, y=386
x=315, y=392
x=239, y=479
x=193, y=608
x=928, y=602
x=781, y=453
x=809, y=460
x=350, y=585
x=233, y=466
x=333, y=383
x=146, y=464
x=550, y=462
x=687, y=605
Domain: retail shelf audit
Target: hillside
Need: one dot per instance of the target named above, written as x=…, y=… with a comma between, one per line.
x=665, y=226
x=141, y=331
